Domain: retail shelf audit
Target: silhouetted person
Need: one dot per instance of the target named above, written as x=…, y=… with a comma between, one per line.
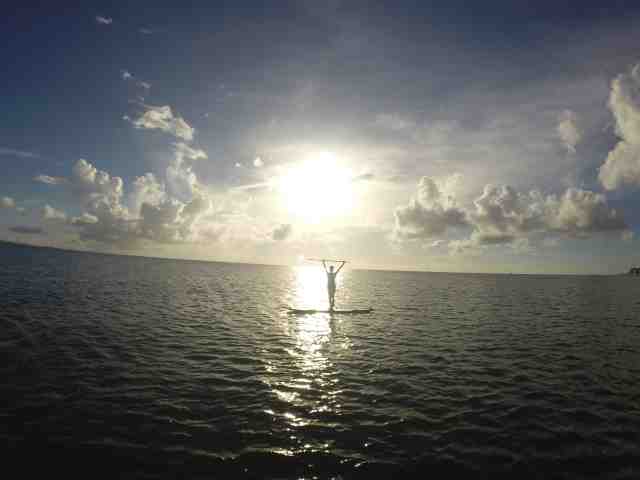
x=331, y=282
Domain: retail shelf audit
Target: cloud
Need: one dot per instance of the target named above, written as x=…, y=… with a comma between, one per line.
x=149, y=212
x=17, y=153
x=27, y=230
x=146, y=189
x=579, y=211
x=161, y=222
x=363, y=177
x=172, y=221
x=126, y=75
x=162, y=118
x=173, y=208
x=568, y=130
x=282, y=232
x=50, y=180
x=181, y=179
x=96, y=186
x=622, y=166
x=100, y=196
x=84, y=219
x=432, y=212
x=145, y=85
x=7, y=202
x=145, y=31
x=503, y=215
x=104, y=20
x=239, y=229
x=50, y=213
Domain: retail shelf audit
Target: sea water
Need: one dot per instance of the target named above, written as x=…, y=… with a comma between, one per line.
x=152, y=368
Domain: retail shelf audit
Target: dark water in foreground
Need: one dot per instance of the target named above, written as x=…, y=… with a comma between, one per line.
x=144, y=368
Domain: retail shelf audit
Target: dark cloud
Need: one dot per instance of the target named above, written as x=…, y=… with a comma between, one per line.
x=282, y=232
x=27, y=230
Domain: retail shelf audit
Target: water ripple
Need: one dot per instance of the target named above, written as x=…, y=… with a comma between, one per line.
x=192, y=369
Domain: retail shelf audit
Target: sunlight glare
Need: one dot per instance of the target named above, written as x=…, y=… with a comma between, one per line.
x=318, y=188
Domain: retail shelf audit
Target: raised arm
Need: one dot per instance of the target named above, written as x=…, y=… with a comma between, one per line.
x=324, y=264
x=341, y=265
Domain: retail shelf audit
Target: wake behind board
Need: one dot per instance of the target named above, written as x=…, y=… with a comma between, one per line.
x=355, y=311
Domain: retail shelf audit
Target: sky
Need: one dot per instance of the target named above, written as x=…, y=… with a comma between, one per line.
x=496, y=136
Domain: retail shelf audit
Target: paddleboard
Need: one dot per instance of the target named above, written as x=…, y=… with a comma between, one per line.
x=302, y=311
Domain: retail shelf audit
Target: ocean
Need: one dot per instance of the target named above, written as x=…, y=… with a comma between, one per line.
x=130, y=367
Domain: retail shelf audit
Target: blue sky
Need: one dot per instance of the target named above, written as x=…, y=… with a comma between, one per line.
x=498, y=136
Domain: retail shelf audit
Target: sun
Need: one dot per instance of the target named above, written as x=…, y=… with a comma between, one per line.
x=318, y=188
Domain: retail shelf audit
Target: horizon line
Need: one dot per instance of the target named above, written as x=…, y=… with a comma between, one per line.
x=237, y=262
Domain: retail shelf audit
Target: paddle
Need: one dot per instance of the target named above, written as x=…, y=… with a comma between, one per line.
x=324, y=260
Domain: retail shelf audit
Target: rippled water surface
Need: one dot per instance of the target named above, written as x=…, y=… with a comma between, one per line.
x=153, y=368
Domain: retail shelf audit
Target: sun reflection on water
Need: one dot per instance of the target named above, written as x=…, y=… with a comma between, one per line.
x=310, y=289
x=311, y=332
x=304, y=380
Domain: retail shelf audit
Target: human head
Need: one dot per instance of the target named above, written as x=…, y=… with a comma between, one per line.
x=331, y=268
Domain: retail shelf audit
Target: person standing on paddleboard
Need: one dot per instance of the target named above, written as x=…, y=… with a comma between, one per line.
x=331, y=281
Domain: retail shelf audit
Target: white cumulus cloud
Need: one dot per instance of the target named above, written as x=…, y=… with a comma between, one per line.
x=84, y=219
x=49, y=179
x=96, y=185
x=432, y=212
x=104, y=20
x=181, y=179
x=569, y=130
x=503, y=215
x=148, y=212
x=146, y=189
x=50, y=213
x=162, y=118
x=622, y=166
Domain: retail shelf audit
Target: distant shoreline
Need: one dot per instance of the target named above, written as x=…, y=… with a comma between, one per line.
x=151, y=257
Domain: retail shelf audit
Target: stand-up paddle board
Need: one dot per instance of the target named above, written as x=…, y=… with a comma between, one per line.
x=355, y=311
